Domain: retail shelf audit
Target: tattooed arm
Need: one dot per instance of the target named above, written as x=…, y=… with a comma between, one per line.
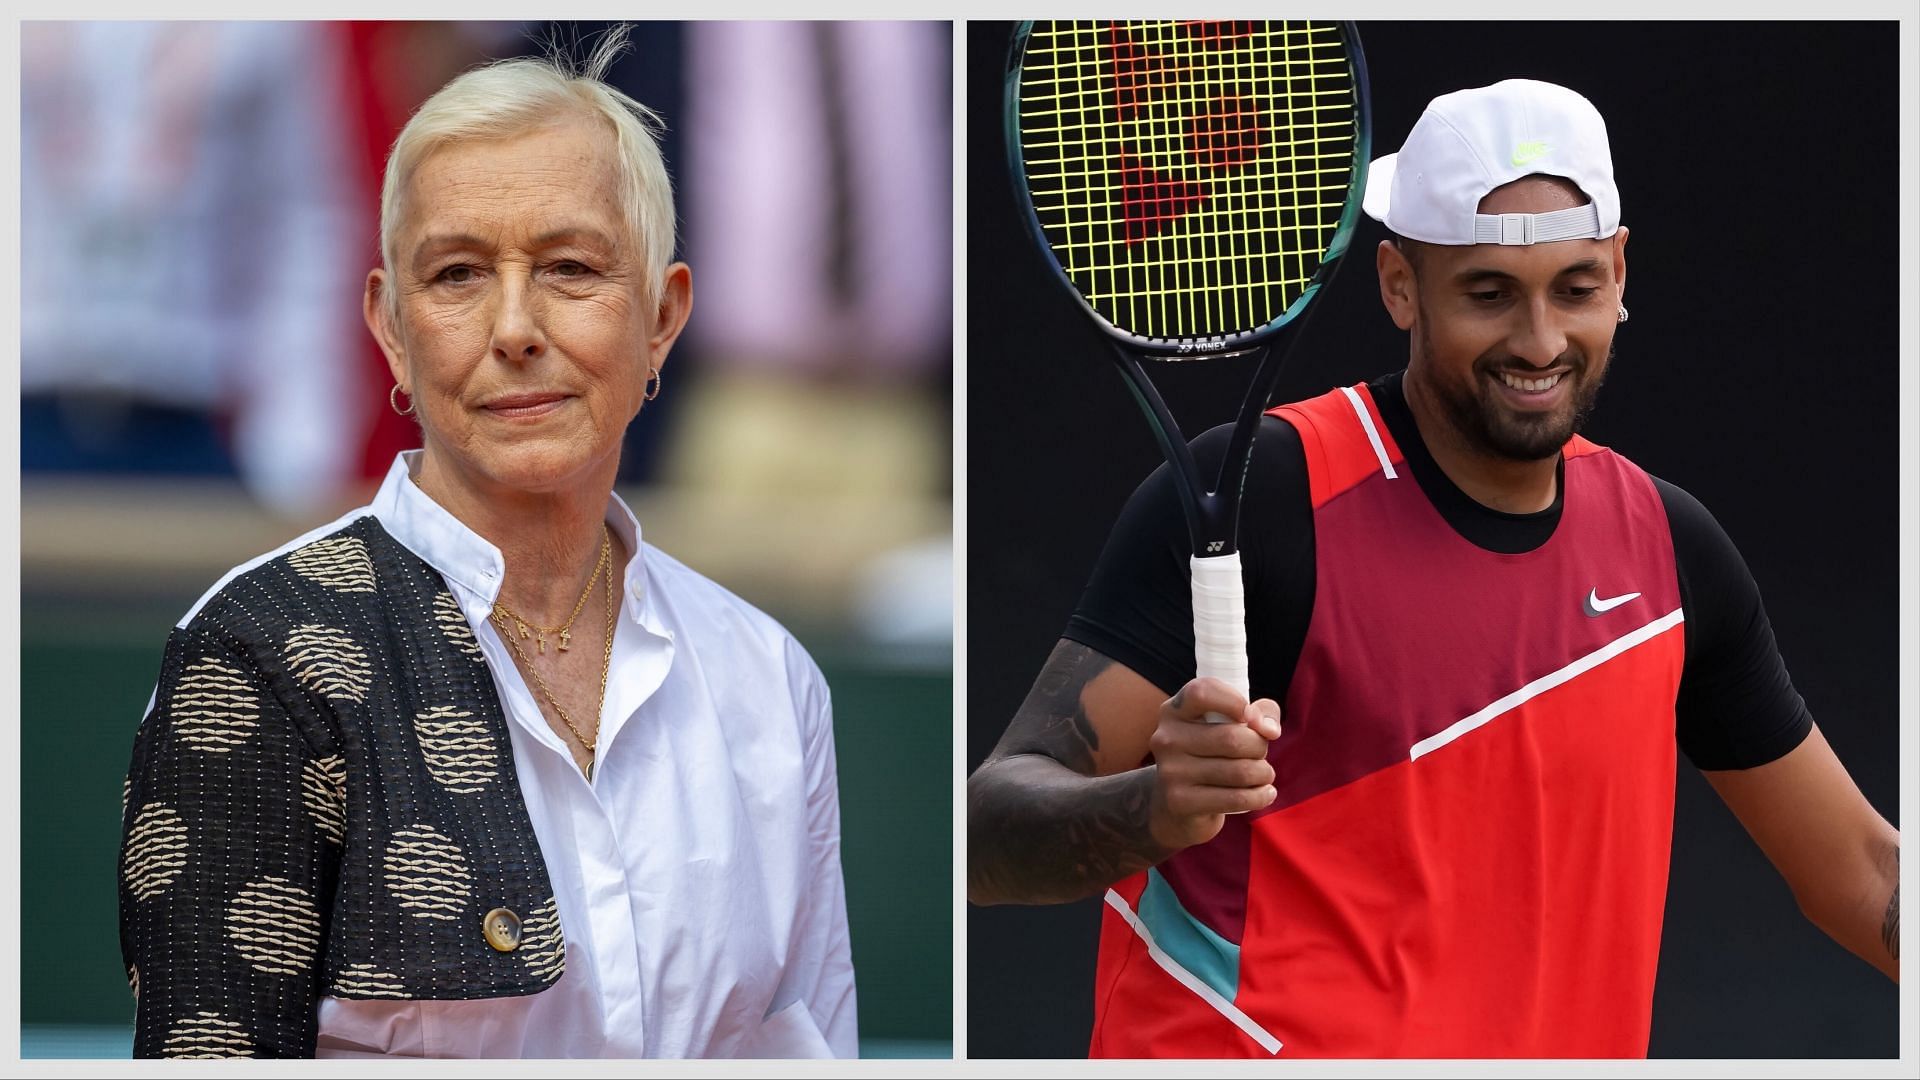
x=1837, y=853
x=1063, y=808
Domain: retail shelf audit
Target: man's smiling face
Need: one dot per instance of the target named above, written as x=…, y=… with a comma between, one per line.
x=1511, y=343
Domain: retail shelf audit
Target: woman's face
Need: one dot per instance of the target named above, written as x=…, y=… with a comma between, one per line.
x=524, y=335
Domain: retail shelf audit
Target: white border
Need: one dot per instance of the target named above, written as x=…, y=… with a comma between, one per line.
x=1907, y=364
x=959, y=776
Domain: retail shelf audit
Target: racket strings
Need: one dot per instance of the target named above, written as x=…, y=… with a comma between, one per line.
x=1189, y=177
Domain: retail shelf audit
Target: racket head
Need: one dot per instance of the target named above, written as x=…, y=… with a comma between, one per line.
x=1192, y=184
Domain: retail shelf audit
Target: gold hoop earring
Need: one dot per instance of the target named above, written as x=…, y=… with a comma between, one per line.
x=654, y=382
x=393, y=399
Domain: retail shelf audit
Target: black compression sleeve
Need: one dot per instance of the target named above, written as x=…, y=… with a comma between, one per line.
x=1138, y=606
x=1737, y=707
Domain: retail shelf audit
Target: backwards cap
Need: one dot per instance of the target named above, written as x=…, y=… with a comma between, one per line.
x=1470, y=142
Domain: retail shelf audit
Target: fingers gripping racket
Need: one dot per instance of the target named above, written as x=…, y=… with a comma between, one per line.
x=1193, y=185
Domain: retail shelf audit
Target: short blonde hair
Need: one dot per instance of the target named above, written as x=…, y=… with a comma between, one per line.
x=512, y=97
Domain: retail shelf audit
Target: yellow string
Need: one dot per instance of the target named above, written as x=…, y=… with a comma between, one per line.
x=1240, y=255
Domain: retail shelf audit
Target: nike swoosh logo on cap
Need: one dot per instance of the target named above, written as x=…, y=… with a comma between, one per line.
x=1597, y=607
x=1527, y=153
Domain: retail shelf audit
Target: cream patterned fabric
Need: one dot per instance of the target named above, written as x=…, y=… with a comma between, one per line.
x=322, y=801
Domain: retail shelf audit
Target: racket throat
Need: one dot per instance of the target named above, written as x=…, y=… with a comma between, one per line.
x=1212, y=514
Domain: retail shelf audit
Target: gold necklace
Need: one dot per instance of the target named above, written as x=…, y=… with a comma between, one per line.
x=606, y=663
x=565, y=630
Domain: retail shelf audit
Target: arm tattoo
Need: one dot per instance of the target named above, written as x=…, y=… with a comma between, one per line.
x=1038, y=834
x=1890, y=925
x=1053, y=720
x=1041, y=828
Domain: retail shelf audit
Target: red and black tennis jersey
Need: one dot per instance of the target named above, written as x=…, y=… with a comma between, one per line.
x=1468, y=853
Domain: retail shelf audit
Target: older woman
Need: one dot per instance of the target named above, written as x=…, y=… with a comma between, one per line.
x=472, y=771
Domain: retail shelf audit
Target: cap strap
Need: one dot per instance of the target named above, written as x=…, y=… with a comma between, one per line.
x=1573, y=223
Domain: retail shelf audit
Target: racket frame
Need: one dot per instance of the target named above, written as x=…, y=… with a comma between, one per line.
x=1212, y=511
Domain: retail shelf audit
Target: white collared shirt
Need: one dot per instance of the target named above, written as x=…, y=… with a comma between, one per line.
x=698, y=874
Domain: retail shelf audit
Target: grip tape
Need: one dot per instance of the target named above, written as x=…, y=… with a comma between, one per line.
x=1220, y=623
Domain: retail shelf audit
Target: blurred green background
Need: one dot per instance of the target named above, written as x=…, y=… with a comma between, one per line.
x=94, y=619
x=198, y=387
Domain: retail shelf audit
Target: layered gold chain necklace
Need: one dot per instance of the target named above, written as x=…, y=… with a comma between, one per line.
x=565, y=629
x=508, y=622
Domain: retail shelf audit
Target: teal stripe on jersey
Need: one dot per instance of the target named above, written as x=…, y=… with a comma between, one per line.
x=1211, y=958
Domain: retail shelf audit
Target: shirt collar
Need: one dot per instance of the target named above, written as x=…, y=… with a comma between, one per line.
x=468, y=560
x=638, y=602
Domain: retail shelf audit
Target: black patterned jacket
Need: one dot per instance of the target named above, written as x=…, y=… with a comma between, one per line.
x=322, y=801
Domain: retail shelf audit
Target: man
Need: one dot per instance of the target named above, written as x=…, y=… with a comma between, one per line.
x=1489, y=635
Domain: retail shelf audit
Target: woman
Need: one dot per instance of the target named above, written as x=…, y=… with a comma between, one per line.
x=471, y=771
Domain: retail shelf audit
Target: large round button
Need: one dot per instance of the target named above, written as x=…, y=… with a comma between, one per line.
x=502, y=928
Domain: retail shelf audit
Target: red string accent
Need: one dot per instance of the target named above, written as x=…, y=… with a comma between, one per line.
x=1151, y=201
x=1225, y=133
x=1218, y=34
x=1139, y=74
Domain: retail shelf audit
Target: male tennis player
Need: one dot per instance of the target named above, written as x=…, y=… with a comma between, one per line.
x=1489, y=635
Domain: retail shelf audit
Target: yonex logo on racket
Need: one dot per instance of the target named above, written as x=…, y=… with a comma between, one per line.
x=1165, y=88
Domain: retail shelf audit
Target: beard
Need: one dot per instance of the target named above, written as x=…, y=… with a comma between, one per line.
x=1491, y=428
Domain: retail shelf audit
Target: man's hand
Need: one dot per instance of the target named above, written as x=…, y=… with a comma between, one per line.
x=1069, y=802
x=1204, y=771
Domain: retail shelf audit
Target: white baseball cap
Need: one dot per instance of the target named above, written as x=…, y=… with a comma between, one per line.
x=1471, y=141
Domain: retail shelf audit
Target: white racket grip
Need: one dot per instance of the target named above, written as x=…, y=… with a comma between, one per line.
x=1220, y=624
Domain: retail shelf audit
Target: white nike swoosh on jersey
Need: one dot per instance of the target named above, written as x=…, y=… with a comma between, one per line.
x=1597, y=606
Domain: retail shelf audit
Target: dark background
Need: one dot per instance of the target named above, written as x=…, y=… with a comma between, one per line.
x=1758, y=172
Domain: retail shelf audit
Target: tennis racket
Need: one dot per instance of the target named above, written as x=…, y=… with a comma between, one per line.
x=1193, y=185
